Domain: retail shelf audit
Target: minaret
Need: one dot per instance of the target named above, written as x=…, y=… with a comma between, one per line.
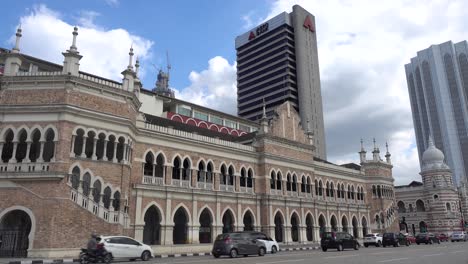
x=388, y=155
x=376, y=153
x=129, y=76
x=71, y=63
x=137, y=84
x=264, y=120
x=362, y=153
x=310, y=133
x=13, y=60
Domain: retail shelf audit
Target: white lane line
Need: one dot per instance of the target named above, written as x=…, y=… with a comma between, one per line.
x=459, y=251
x=432, y=255
x=281, y=261
x=389, y=260
x=343, y=256
x=383, y=252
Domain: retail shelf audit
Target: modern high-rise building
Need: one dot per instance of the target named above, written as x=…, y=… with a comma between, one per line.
x=438, y=87
x=277, y=62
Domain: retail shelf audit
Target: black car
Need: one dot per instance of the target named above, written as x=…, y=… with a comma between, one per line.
x=238, y=243
x=338, y=240
x=427, y=238
x=394, y=239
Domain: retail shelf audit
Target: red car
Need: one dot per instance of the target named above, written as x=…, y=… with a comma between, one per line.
x=442, y=237
x=410, y=238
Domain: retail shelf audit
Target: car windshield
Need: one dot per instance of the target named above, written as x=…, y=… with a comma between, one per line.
x=328, y=235
x=387, y=235
x=221, y=237
x=370, y=235
x=457, y=232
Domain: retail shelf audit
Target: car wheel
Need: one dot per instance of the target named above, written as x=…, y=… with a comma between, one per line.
x=216, y=255
x=453, y=241
x=233, y=253
x=261, y=251
x=407, y=243
x=438, y=241
x=431, y=242
x=340, y=247
x=108, y=258
x=366, y=245
x=83, y=259
x=417, y=243
x=324, y=249
x=397, y=244
x=273, y=250
x=378, y=244
x=356, y=246
x=384, y=245
x=145, y=256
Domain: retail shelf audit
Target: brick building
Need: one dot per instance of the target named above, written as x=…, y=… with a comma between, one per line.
x=81, y=153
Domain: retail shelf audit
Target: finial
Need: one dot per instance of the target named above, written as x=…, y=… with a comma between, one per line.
x=264, y=109
x=130, y=59
x=431, y=141
x=362, y=144
x=386, y=145
x=137, y=65
x=18, y=37
x=374, y=145
x=73, y=46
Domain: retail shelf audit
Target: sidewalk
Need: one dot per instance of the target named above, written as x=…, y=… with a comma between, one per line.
x=292, y=247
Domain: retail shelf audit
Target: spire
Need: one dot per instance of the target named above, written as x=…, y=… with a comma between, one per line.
x=73, y=47
x=18, y=37
x=430, y=143
x=362, y=145
x=376, y=153
x=264, y=109
x=137, y=66
x=375, y=148
x=362, y=153
x=388, y=155
x=130, y=58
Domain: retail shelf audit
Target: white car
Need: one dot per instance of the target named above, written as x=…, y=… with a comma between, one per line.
x=373, y=239
x=270, y=244
x=122, y=247
x=458, y=236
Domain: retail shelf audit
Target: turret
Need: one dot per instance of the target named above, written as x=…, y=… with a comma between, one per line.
x=362, y=153
x=129, y=76
x=388, y=155
x=13, y=60
x=71, y=63
x=375, y=153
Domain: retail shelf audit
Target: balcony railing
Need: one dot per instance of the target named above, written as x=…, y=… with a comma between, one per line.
x=205, y=185
x=25, y=167
x=181, y=183
x=153, y=180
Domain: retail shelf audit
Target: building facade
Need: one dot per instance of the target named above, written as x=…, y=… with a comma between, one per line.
x=83, y=154
x=433, y=205
x=438, y=87
x=278, y=62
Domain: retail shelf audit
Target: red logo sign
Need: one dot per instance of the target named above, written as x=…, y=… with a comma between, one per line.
x=252, y=35
x=308, y=24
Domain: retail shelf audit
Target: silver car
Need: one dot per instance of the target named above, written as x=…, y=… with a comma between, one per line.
x=458, y=236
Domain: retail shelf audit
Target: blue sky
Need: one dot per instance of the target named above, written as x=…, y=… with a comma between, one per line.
x=363, y=47
x=192, y=31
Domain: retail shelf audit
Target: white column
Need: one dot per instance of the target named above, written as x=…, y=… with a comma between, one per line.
x=114, y=159
x=125, y=153
x=72, y=151
x=104, y=156
x=28, y=149
x=41, y=151
x=83, y=147
x=1, y=150
x=94, y=156
x=13, y=157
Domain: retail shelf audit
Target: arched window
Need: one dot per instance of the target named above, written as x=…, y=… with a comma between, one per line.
x=159, y=168
x=97, y=191
x=110, y=148
x=120, y=149
x=374, y=191
x=21, y=146
x=316, y=188
x=35, y=149
x=338, y=191
x=186, y=171
x=231, y=175
x=273, y=181
x=148, y=169
x=78, y=143
x=288, y=182
x=349, y=191
x=401, y=207
x=243, y=178
x=209, y=173
x=379, y=191
x=7, y=151
x=294, y=184
x=107, y=197
x=420, y=206
x=100, y=146
x=320, y=188
x=89, y=146
x=352, y=192
x=449, y=208
x=279, y=181
x=223, y=175
x=116, y=201
x=309, y=185
x=332, y=190
x=176, y=170
x=250, y=179
x=201, y=174
x=75, y=178
x=86, y=184
x=303, y=184
x=328, y=189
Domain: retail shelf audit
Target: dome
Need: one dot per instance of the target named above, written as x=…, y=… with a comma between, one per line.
x=433, y=155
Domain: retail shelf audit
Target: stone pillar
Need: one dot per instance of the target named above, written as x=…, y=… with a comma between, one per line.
x=83, y=147
x=194, y=233
x=94, y=156
x=139, y=232
x=194, y=178
x=13, y=156
x=287, y=234
x=28, y=149
x=316, y=234
x=124, y=159
x=218, y=229
x=104, y=153
x=167, y=234
x=302, y=234
x=168, y=175
x=237, y=183
x=216, y=181
x=114, y=158
x=1, y=150
x=41, y=152
x=72, y=151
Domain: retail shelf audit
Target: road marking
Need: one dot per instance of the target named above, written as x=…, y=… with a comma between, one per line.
x=343, y=256
x=432, y=255
x=388, y=260
x=281, y=261
x=459, y=251
x=383, y=252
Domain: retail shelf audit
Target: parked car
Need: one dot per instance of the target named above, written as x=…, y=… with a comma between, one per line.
x=458, y=236
x=442, y=237
x=238, y=243
x=270, y=243
x=394, y=239
x=338, y=240
x=373, y=239
x=122, y=247
x=410, y=238
x=427, y=238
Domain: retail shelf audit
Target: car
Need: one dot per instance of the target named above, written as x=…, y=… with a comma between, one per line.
x=270, y=243
x=394, y=239
x=458, y=236
x=442, y=237
x=122, y=247
x=427, y=238
x=338, y=240
x=238, y=243
x=373, y=239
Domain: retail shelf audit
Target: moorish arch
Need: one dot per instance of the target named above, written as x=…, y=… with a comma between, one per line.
x=344, y=224
x=309, y=227
x=364, y=226
x=333, y=223
x=206, y=225
x=355, y=227
x=279, y=226
x=295, y=227
x=322, y=224
x=181, y=220
x=152, y=229
x=19, y=225
x=229, y=221
x=248, y=220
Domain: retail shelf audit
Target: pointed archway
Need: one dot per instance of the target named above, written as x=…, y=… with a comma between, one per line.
x=295, y=227
x=228, y=222
x=309, y=227
x=322, y=225
x=15, y=228
x=355, y=227
x=344, y=224
x=364, y=226
x=206, y=222
x=333, y=224
x=248, y=221
x=279, y=227
x=180, y=232
x=152, y=228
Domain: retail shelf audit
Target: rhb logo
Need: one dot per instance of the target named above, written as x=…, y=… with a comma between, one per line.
x=308, y=24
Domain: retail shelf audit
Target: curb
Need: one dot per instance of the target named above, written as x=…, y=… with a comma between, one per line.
x=60, y=261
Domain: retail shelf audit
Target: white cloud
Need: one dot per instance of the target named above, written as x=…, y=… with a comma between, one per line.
x=105, y=52
x=113, y=3
x=214, y=87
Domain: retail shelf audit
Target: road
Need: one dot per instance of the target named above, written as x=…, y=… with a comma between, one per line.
x=445, y=253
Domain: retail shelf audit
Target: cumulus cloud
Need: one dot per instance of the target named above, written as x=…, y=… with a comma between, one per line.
x=46, y=35
x=214, y=87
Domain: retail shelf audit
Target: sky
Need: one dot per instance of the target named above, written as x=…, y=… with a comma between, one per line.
x=363, y=46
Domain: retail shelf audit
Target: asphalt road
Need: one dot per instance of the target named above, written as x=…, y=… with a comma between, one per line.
x=445, y=253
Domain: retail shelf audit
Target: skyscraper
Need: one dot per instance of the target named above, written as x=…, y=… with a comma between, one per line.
x=278, y=61
x=438, y=87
